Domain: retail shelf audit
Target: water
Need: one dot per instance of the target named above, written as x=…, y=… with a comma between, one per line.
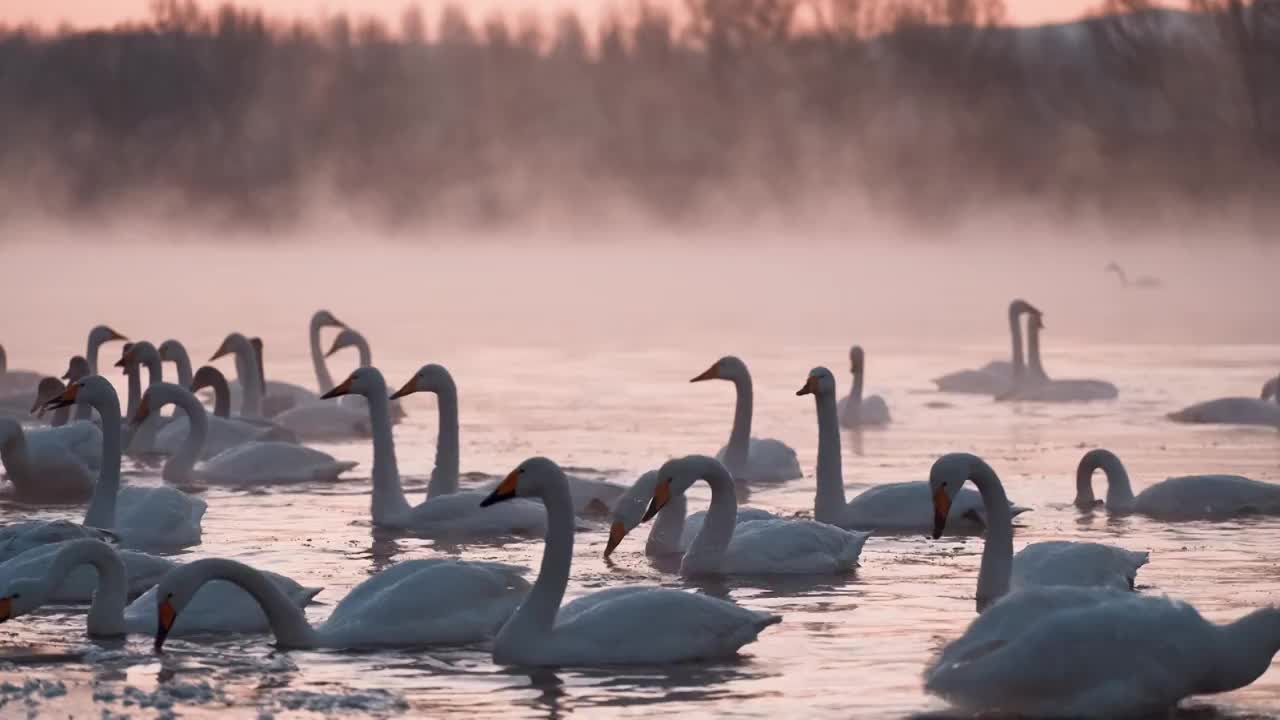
x=848, y=647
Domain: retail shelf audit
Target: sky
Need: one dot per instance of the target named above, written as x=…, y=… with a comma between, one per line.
x=98, y=13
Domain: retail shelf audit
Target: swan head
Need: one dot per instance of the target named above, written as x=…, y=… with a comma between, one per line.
x=207, y=376
x=77, y=368
x=154, y=400
x=345, y=339
x=629, y=510
x=103, y=334
x=233, y=343
x=171, y=350
x=726, y=368
x=48, y=389
x=857, y=359
x=677, y=475
x=324, y=318
x=429, y=378
x=93, y=390
x=1020, y=306
x=136, y=353
x=947, y=476
x=531, y=478
x=819, y=382
x=366, y=381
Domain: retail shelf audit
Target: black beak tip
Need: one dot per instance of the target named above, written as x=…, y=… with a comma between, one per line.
x=650, y=511
x=494, y=498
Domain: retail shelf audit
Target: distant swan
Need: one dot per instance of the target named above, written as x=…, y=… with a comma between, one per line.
x=175, y=352
x=1078, y=564
x=749, y=459
x=1145, y=282
x=855, y=410
x=56, y=464
x=626, y=625
x=890, y=507
x=996, y=376
x=279, y=396
x=775, y=546
x=224, y=431
x=411, y=603
x=1190, y=497
x=219, y=607
x=15, y=381
x=445, y=511
x=1037, y=386
x=1262, y=410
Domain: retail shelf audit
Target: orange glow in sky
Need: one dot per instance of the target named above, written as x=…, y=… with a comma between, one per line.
x=98, y=13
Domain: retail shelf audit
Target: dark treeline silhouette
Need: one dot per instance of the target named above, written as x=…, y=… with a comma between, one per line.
x=923, y=109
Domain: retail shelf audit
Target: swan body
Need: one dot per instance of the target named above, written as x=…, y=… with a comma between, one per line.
x=619, y=626
x=855, y=410
x=281, y=396
x=1263, y=410
x=1055, y=563
x=79, y=582
x=51, y=464
x=671, y=531
x=1037, y=386
x=412, y=603
x=997, y=376
x=141, y=517
x=219, y=607
x=893, y=507
x=445, y=511
x=17, y=538
x=1190, y=497
x=749, y=459
x=1096, y=653
x=776, y=546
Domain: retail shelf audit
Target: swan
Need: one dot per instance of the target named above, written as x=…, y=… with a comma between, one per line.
x=77, y=369
x=1064, y=652
x=749, y=459
x=16, y=381
x=855, y=410
x=1235, y=410
x=996, y=376
x=892, y=507
x=777, y=546
x=617, y=626
x=77, y=584
x=141, y=438
x=412, y=603
x=99, y=336
x=175, y=352
x=141, y=517
x=349, y=337
x=671, y=531
x=224, y=432
x=255, y=462
x=1056, y=563
x=445, y=511
x=20, y=407
x=219, y=607
x=281, y=396
x=589, y=495
x=56, y=464
x=1190, y=497
x=1142, y=281
x=1036, y=386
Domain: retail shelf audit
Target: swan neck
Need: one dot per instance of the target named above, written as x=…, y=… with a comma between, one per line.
x=1243, y=651
x=388, y=502
x=221, y=396
x=444, y=477
x=667, y=529
x=91, y=353
x=1033, y=352
x=830, y=501
x=155, y=370
x=706, y=551
x=997, y=551
x=180, y=467
x=106, y=612
x=182, y=363
x=323, y=378
x=288, y=623
x=61, y=416
x=736, y=453
x=1015, y=331
x=250, y=381
x=537, y=614
x=101, y=512
x=134, y=374
x=362, y=348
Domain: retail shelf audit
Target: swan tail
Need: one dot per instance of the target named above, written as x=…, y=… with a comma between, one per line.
x=331, y=472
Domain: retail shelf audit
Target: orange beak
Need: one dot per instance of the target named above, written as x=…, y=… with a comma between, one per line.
x=712, y=373
x=616, y=533
x=941, y=508
x=164, y=617
x=810, y=386
x=661, y=496
x=68, y=397
x=505, y=490
x=409, y=388
x=343, y=388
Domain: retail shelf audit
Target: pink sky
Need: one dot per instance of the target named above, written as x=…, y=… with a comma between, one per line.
x=88, y=13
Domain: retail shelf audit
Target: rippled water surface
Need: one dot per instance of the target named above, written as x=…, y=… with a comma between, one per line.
x=848, y=647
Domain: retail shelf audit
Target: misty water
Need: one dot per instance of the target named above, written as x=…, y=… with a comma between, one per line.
x=583, y=353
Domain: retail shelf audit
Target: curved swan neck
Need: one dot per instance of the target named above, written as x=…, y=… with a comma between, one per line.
x=177, y=353
x=1243, y=652
x=211, y=378
x=323, y=378
x=667, y=529
x=1119, y=490
x=388, y=502
x=180, y=466
x=444, y=477
x=288, y=623
x=106, y=613
x=997, y=551
x=537, y=614
x=101, y=512
x=735, y=455
x=706, y=551
x=829, y=502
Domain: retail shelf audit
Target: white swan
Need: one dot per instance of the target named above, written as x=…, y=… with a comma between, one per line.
x=749, y=459
x=146, y=517
x=617, y=626
x=141, y=438
x=250, y=463
x=996, y=376
x=16, y=381
x=1038, y=564
x=175, y=352
x=893, y=507
x=78, y=584
x=412, y=603
x=223, y=432
x=99, y=336
x=280, y=396
x=1235, y=410
x=590, y=496
x=1190, y=497
x=671, y=531
x=855, y=410
x=349, y=337
x=1036, y=386
x=445, y=511
x=776, y=546
x=219, y=607
x=56, y=464
x=1090, y=653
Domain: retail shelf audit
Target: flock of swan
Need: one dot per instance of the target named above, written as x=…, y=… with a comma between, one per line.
x=1060, y=629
